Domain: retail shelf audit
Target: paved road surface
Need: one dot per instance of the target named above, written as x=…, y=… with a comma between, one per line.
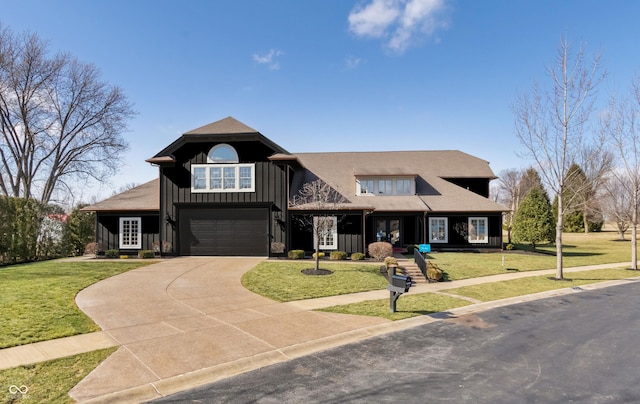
x=581, y=347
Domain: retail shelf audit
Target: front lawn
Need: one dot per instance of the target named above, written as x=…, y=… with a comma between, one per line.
x=578, y=249
x=283, y=281
x=425, y=303
x=542, y=283
x=49, y=382
x=38, y=299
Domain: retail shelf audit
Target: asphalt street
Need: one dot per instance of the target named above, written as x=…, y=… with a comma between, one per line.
x=574, y=348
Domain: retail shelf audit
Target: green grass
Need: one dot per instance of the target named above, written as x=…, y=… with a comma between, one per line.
x=406, y=306
x=282, y=280
x=536, y=284
x=38, y=299
x=427, y=303
x=49, y=382
x=579, y=249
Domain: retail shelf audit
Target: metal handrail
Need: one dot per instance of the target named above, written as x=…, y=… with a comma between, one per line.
x=421, y=262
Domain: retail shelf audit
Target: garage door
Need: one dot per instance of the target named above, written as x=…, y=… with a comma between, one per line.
x=228, y=232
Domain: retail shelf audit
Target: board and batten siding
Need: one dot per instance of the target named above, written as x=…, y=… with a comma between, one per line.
x=175, y=191
x=108, y=230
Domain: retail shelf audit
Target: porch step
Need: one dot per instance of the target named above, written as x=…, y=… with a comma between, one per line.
x=409, y=268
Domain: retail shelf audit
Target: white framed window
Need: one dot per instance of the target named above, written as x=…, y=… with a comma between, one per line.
x=223, y=178
x=385, y=186
x=326, y=228
x=222, y=153
x=478, y=230
x=438, y=230
x=130, y=232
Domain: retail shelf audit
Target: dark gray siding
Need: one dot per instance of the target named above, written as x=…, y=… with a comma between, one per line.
x=107, y=229
x=175, y=189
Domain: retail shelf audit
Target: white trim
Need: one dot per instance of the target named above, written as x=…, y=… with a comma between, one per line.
x=235, y=187
x=484, y=239
x=328, y=241
x=442, y=237
x=130, y=233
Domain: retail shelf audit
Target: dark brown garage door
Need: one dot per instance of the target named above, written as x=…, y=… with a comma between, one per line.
x=229, y=232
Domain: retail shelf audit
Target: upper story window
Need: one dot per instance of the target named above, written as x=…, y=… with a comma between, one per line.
x=386, y=186
x=222, y=153
x=223, y=173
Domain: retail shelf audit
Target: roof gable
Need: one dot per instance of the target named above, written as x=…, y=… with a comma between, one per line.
x=226, y=126
x=228, y=129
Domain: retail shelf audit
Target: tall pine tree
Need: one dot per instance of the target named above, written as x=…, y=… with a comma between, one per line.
x=533, y=222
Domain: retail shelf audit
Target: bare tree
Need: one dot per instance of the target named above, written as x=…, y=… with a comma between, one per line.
x=322, y=201
x=617, y=202
x=509, y=191
x=550, y=123
x=621, y=126
x=59, y=122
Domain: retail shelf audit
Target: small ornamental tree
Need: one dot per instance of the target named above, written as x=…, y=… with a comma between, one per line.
x=533, y=222
x=319, y=198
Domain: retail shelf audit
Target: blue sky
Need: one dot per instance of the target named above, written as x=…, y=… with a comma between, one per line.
x=331, y=75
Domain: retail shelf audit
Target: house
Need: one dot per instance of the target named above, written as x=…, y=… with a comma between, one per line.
x=225, y=189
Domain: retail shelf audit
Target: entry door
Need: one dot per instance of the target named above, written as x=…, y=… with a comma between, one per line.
x=388, y=230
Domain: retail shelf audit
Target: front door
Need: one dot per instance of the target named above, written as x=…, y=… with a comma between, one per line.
x=388, y=230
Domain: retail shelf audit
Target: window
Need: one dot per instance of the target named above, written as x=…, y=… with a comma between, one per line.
x=438, y=232
x=478, y=230
x=325, y=227
x=403, y=187
x=366, y=187
x=130, y=232
x=222, y=153
x=223, y=178
x=199, y=178
x=385, y=186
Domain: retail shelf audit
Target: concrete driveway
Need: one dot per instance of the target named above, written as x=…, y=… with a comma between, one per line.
x=187, y=321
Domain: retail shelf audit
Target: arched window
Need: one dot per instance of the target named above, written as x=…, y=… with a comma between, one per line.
x=222, y=153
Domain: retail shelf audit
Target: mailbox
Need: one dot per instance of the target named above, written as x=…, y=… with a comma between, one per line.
x=402, y=282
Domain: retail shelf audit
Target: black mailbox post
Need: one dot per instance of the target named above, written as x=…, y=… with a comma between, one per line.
x=398, y=284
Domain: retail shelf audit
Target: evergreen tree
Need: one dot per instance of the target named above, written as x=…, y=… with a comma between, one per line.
x=533, y=222
x=79, y=231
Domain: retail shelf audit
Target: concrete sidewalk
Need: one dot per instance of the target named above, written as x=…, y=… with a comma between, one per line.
x=186, y=322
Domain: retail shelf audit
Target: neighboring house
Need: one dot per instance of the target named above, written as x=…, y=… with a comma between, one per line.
x=225, y=189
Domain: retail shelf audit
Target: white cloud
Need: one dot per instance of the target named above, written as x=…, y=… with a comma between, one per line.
x=352, y=62
x=269, y=58
x=401, y=23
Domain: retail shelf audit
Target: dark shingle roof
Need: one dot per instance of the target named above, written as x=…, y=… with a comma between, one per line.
x=433, y=193
x=145, y=197
x=226, y=126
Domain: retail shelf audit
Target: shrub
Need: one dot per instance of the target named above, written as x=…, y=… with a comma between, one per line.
x=93, y=249
x=111, y=254
x=146, y=254
x=390, y=261
x=277, y=247
x=167, y=247
x=320, y=254
x=433, y=272
x=509, y=247
x=337, y=255
x=411, y=247
x=380, y=249
x=357, y=256
x=296, y=254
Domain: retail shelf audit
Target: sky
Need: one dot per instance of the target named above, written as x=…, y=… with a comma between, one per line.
x=330, y=75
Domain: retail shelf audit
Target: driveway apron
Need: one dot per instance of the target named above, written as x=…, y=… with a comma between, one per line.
x=187, y=314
